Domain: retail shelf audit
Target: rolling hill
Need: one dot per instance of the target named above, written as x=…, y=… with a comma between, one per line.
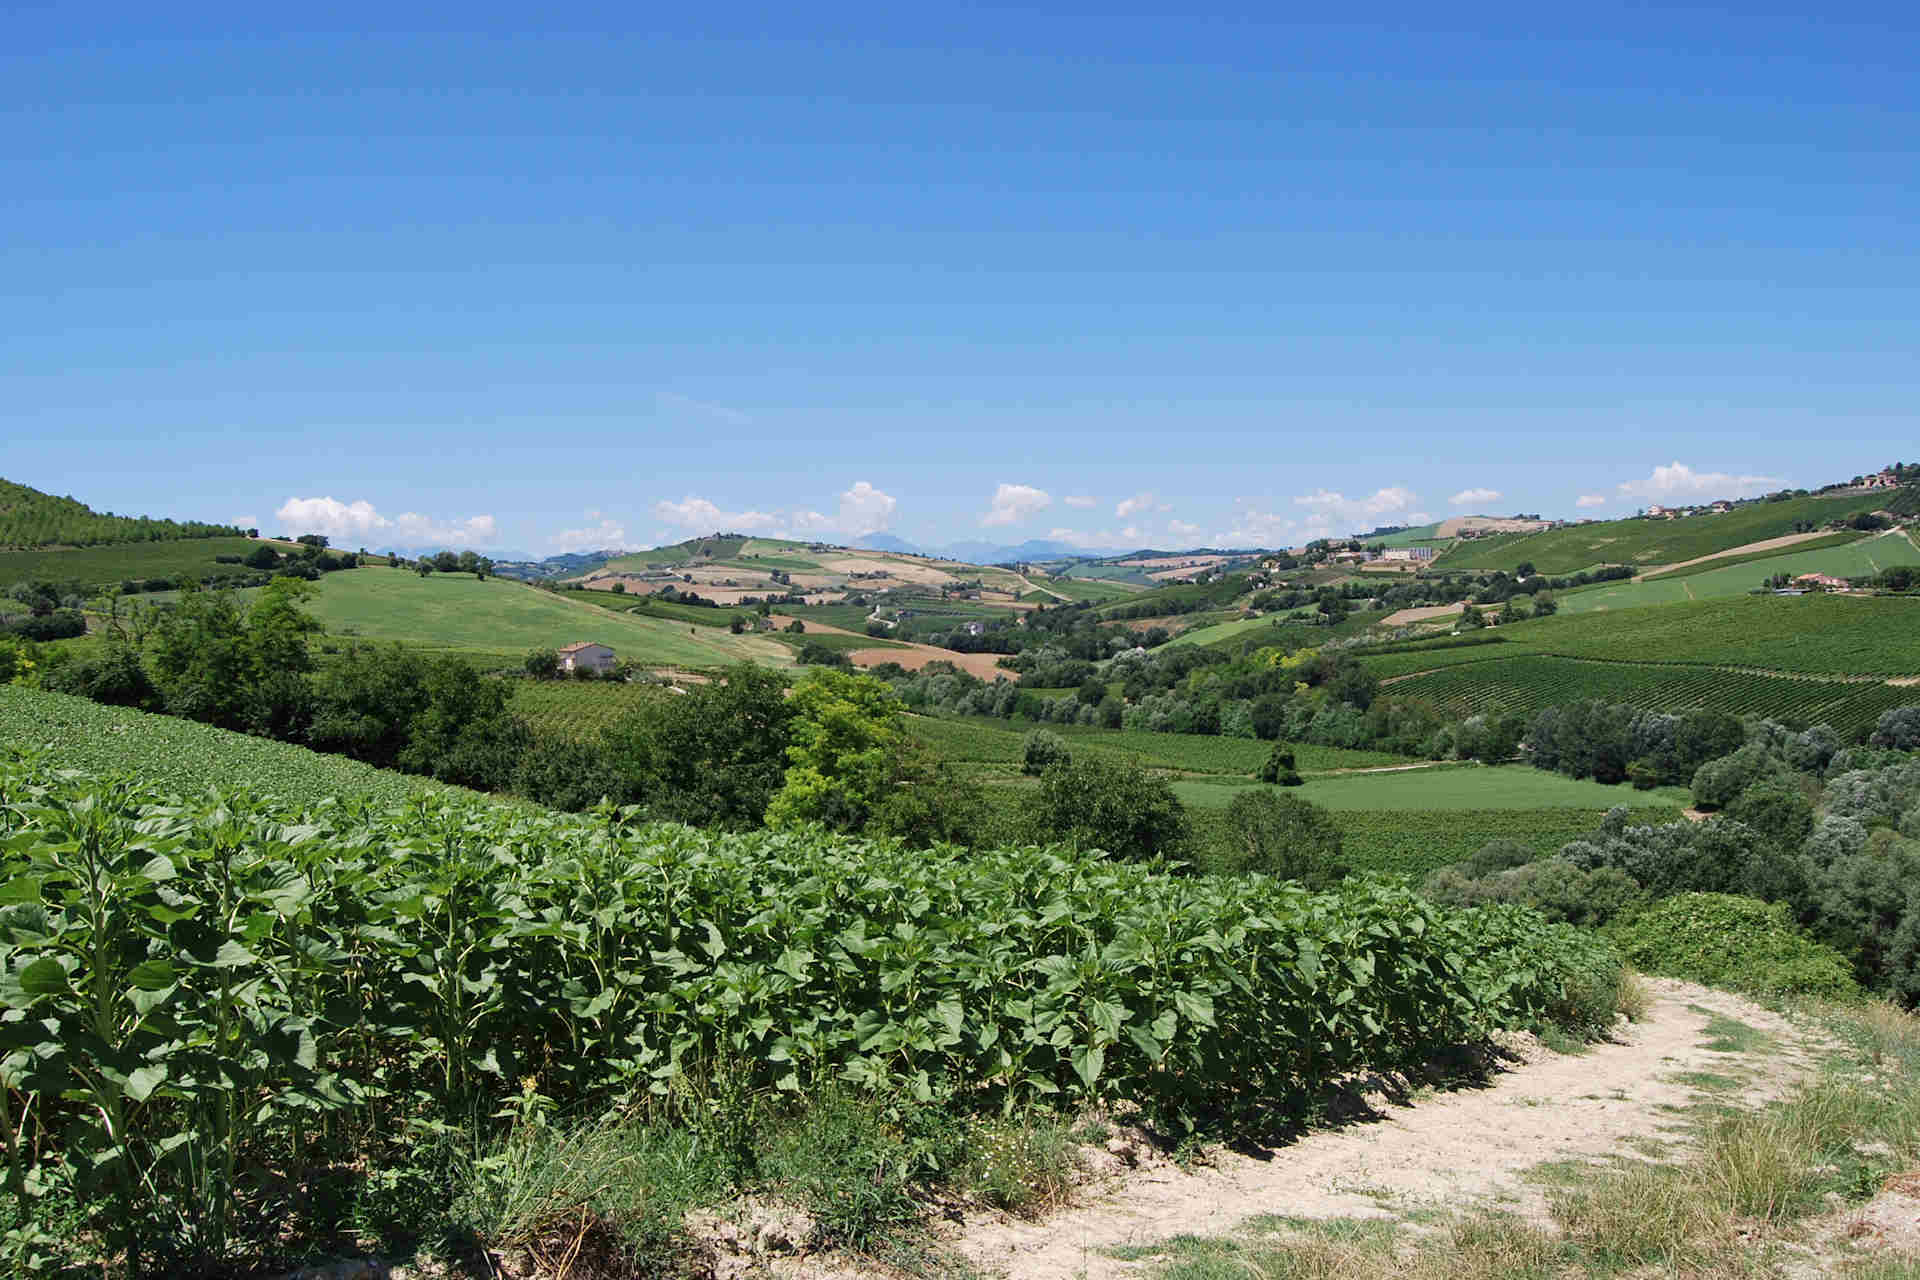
x=496, y=617
x=30, y=518
x=1640, y=541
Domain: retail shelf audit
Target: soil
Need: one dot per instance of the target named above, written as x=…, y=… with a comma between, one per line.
x=912, y=656
x=1441, y=1151
x=1423, y=614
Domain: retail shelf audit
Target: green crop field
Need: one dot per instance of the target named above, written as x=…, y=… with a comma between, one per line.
x=1649, y=542
x=1820, y=634
x=454, y=612
x=1857, y=558
x=189, y=757
x=830, y=640
x=1529, y=682
x=1412, y=842
x=100, y=566
x=651, y=607
x=1451, y=787
x=979, y=741
x=1406, y=537
x=1094, y=589
x=480, y=956
x=578, y=709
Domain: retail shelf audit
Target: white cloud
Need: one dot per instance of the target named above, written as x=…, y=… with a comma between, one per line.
x=672, y=402
x=1015, y=502
x=1138, y=502
x=355, y=522
x=1679, y=480
x=1591, y=500
x=1468, y=497
x=1084, y=501
x=1133, y=533
x=245, y=522
x=1182, y=528
x=1335, y=513
x=702, y=516
x=605, y=535
x=865, y=509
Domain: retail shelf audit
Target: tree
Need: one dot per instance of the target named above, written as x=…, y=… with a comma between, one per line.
x=1279, y=767
x=201, y=659
x=262, y=557
x=464, y=734
x=1471, y=619
x=1544, y=605
x=1525, y=570
x=796, y=628
x=712, y=756
x=619, y=588
x=736, y=625
x=542, y=664
x=846, y=737
x=1282, y=836
x=1115, y=806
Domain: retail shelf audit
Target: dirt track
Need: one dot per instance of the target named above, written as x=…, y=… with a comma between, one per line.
x=1446, y=1151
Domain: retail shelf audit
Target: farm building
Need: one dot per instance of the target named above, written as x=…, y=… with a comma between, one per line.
x=1826, y=580
x=1407, y=553
x=586, y=655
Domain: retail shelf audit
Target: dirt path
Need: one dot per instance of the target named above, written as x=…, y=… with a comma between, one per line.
x=1765, y=544
x=1443, y=1151
x=1425, y=613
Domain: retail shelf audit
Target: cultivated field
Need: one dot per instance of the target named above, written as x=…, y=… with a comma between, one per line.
x=1856, y=558
x=189, y=757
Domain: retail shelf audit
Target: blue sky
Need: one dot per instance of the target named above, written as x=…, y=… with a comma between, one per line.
x=1123, y=274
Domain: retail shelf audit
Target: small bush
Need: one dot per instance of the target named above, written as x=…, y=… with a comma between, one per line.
x=1732, y=942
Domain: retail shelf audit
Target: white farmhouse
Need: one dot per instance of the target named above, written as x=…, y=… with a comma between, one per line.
x=586, y=654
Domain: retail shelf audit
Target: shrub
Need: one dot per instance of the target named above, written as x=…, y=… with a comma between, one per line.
x=115, y=678
x=1717, y=783
x=1498, y=855
x=1282, y=836
x=542, y=664
x=1041, y=750
x=1734, y=942
x=943, y=809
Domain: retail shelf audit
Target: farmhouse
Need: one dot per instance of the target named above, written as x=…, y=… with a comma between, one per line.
x=586, y=655
x=1825, y=580
x=1407, y=553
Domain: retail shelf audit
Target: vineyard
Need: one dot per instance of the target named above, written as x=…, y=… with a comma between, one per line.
x=577, y=709
x=233, y=1005
x=1527, y=683
x=976, y=741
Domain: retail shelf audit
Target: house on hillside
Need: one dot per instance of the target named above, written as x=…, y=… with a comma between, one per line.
x=1408, y=553
x=1658, y=512
x=976, y=628
x=1885, y=480
x=1721, y=507
x=585, y=655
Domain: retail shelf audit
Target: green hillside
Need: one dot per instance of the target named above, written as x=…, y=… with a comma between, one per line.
x=1526, y=683
x=1651, y=542
x=30, y=518
x=1860, y=558
x=1805, y=659
x=183, y=755
x=454, y=612
x=101, y=566
x=1406, y=537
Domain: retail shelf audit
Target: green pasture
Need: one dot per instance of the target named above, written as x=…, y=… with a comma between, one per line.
x=1097, y=590
x=99, y=566
x=1649, y=542
x=455, y=612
